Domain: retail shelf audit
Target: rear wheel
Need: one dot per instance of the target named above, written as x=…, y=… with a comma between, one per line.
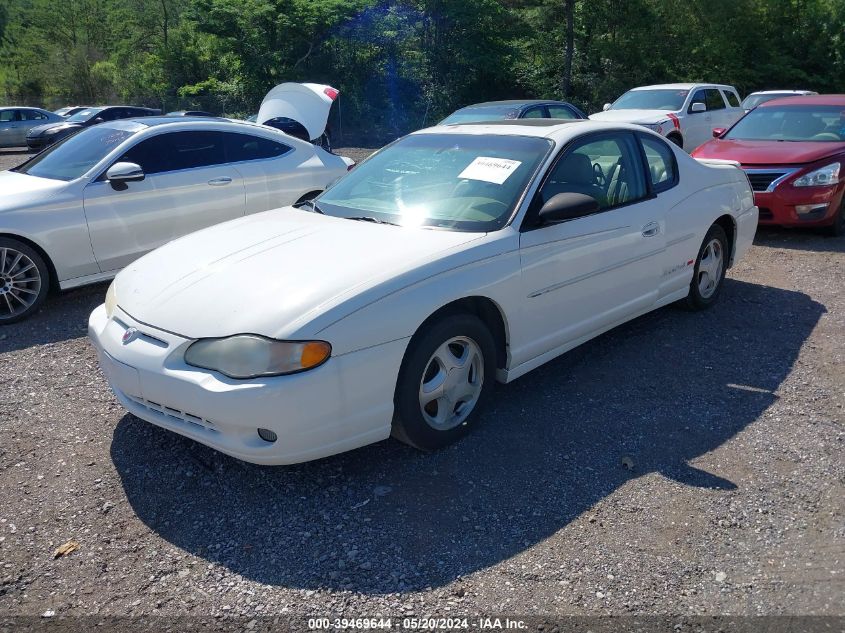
x=710, y=267
x=24, y=280
x=446, y=377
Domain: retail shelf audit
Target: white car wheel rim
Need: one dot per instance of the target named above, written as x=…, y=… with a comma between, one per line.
x=710, y=269
x=451, y=383
x=20, y=282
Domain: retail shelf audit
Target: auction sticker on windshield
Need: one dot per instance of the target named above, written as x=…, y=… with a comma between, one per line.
x=495, y=170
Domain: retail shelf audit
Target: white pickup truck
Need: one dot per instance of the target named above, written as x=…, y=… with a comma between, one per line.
x=684, y=113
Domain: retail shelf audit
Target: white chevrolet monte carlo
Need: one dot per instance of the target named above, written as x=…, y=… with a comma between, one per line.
x=86, y=207
x=684, y=113
x=455, y=257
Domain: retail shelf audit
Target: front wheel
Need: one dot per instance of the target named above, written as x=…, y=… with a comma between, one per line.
x=24, y=280
x=446, y=377
x=710, y=267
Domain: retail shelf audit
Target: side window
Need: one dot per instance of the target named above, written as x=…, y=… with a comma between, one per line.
x=605, y=168
x=561, y=112
x=662, y=168
x=698, y=97
x=241, y=147
x=714, y=99
x=733, y=100
x=177, y=150
x=534, y=113
x=7, y=115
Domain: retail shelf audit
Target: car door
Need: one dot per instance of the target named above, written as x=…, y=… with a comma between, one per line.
x=717, y=109
x=587, y=274
x=9, y=128
x=274, y=173
x=187, y=187
x=698, y=126
x=734, y=110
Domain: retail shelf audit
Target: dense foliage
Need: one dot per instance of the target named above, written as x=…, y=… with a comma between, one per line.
x=402, y=63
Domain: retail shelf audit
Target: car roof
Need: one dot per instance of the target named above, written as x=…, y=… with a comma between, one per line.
x=150, y=121
x=682, y=86
x=831, y=100
x=512, y=102
x=783, y=92
x=559, y=129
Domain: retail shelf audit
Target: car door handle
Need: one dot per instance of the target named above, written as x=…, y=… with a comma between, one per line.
x=651, y=229
x=219, y=182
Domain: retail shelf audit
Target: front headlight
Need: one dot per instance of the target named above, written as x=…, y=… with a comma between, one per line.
x=252, y=356
x=822, y=177
x=111, y=300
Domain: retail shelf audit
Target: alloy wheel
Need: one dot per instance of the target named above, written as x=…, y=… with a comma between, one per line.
x=451, y=383
x=20, y=282
x=710, y=268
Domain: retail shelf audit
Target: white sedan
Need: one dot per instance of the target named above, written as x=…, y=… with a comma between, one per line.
x=453, y=258
x=85, y=208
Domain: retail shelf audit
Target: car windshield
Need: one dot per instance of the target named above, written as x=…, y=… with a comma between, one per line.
x=791, y=123
x=460, y=182
x=662, y=99
x=752, y=101
x=475, y=114
x=75, y=155
x=84, y=115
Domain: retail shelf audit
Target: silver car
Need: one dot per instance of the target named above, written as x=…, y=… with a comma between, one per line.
x=15, y=122
x=94, y=202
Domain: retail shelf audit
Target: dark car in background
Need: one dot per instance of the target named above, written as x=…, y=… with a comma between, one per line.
x=70, y=110
x=525, y=109
x=45, y=135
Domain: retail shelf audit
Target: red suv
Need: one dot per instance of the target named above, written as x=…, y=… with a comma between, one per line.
x=793, y=151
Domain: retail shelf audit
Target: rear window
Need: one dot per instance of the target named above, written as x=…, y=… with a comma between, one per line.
x=243, y=147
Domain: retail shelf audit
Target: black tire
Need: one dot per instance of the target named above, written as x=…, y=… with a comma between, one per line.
x=24, y=281
x=837, y=229
x=676, y=139
x=696, y=299
x=409, y=423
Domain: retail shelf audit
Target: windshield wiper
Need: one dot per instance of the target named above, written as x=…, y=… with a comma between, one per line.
x=369, y=218
x=310, y=205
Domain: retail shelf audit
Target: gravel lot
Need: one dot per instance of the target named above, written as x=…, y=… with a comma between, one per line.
x=731, y=422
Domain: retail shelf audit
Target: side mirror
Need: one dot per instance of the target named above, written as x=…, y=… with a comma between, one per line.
x=605, y=107
x=98, y=120
x=567, y=206
x=698, y=107
x=719, y=132
x=121, y=173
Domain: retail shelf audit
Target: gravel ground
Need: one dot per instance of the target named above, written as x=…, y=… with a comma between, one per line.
x=680, y=464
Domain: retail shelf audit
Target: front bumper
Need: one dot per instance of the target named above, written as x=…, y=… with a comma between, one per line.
x=39, y=142
x=778, y=207
x=344, y=404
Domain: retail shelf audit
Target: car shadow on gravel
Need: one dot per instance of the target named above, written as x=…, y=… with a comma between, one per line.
x=62, y=317
x=659, y=391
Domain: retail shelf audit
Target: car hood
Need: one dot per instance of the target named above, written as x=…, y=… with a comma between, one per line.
x=38, y=130
x=631, y=116
x=20, y=190
x=769, y=152
x=271, y=272
x=309, y=104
